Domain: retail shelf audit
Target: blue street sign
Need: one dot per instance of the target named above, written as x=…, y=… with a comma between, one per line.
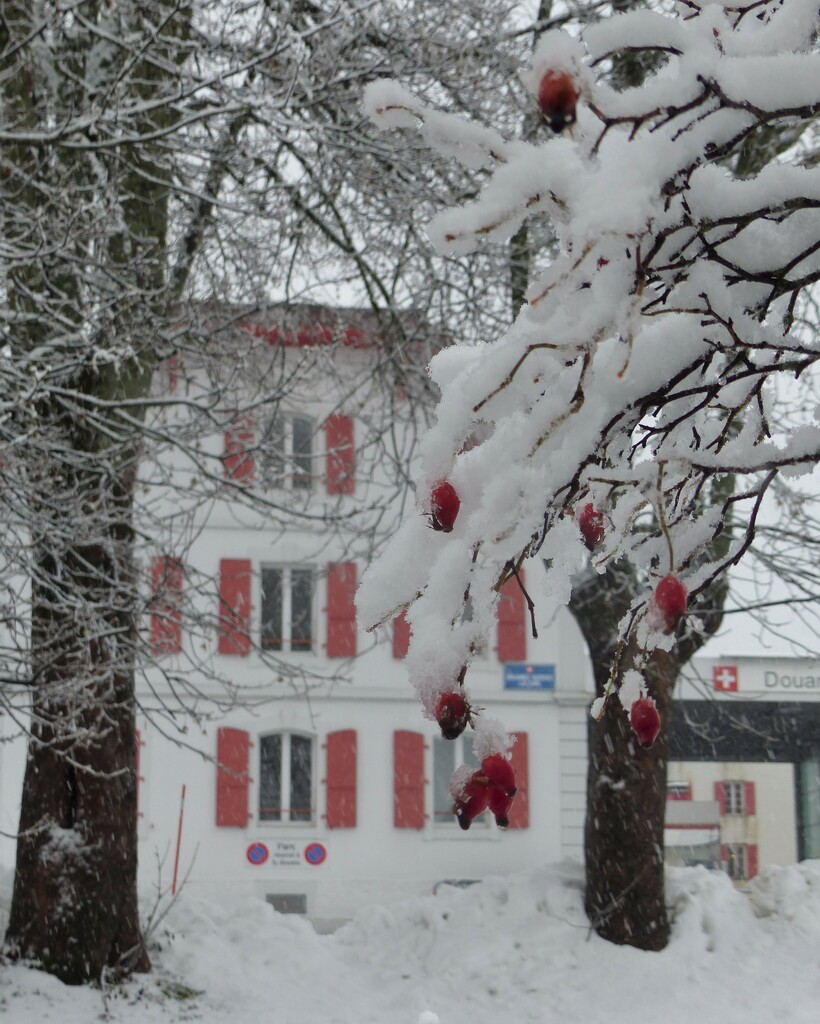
x=529, y=677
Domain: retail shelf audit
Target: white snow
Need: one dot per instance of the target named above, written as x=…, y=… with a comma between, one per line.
x=631, y=689
x=515, y=950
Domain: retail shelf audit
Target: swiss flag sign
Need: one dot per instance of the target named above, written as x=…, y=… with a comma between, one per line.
x=725, y=678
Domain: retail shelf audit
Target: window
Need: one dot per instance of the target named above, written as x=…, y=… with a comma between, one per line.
x=286, y=777
x=286, y=453
x=288, y=902
x=733, y=798
x=736, y=861
x=447, y=756
x=678, y=791
x=287, y=609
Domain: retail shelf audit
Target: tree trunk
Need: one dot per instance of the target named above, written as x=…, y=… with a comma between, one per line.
x=74, y=907
x=78, y=838
x=626, y=801
x=626, y=784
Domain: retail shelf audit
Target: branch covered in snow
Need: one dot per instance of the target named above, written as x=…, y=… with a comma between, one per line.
x=643, y=366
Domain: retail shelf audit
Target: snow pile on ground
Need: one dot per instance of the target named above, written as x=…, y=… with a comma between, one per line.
x=507, y=950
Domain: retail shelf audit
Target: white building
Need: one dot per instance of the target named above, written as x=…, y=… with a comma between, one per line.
x=310, y=775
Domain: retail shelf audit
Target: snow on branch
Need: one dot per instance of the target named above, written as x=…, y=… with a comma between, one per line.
x=642, y=368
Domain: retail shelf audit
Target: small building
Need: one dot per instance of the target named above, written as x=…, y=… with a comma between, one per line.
x=746, y=736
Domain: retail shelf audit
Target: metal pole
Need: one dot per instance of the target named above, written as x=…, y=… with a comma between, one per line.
x=179, y=840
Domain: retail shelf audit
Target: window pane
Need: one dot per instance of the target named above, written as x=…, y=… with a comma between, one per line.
x=734, y=797
x=271, y=633
x=301, y=778
x=444, y=764
x=270, y=778
x=301, y=610
x=302, y=452
x=273, y=453
x=736, y=862
x=468, y=753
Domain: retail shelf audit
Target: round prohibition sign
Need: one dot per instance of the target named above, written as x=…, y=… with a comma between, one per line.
x=257, y=853
x=315, y=853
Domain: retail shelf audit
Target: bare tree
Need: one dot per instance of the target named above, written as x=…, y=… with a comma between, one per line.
x=630, y=405
x=174, y=177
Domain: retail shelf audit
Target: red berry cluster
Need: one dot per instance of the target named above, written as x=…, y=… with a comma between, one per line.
x=557, y=98
x=493, y=786
x=444, y=506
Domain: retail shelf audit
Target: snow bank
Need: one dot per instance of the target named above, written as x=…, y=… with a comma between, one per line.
x=507, y=950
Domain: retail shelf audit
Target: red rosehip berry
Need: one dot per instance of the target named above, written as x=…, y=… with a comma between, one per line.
x=471, y=801
x=500, y=804
x=499, y=774
x=452, y=714
x=591, y=524
x=557, y=97
x=670, y=599
x=645, y=720
x=444, y=506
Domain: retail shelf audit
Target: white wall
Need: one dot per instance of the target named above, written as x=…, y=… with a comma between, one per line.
x=374, y=861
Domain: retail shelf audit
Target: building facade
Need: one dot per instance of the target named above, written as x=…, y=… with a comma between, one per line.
x=745, y=741
x=281, y=749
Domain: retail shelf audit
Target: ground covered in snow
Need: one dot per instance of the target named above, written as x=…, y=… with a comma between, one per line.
x=508, y=950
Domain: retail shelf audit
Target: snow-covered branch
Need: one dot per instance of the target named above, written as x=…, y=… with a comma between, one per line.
x=642, y=366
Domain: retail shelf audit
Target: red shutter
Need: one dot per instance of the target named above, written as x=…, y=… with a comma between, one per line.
x=519, y=758
x=401, y=635
x=512, y=623
x=724, y=855
x=341, y=455
x=749, y=801
x=237, y=460
x=166, y=611
x=340, y=793
x=171, y=368
x=137, y=759
x=751, y=860
x=234, y=606
x=408, y=779
x=232, y=778
x=341, y=610
x=720, y=796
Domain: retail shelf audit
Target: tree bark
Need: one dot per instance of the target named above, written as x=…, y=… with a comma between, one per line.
x=623, y=836
x=74, y=906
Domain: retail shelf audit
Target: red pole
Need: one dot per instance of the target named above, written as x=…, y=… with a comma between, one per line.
x=179, y=840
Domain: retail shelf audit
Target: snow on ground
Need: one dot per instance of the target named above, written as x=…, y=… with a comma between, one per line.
x=507, y=950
